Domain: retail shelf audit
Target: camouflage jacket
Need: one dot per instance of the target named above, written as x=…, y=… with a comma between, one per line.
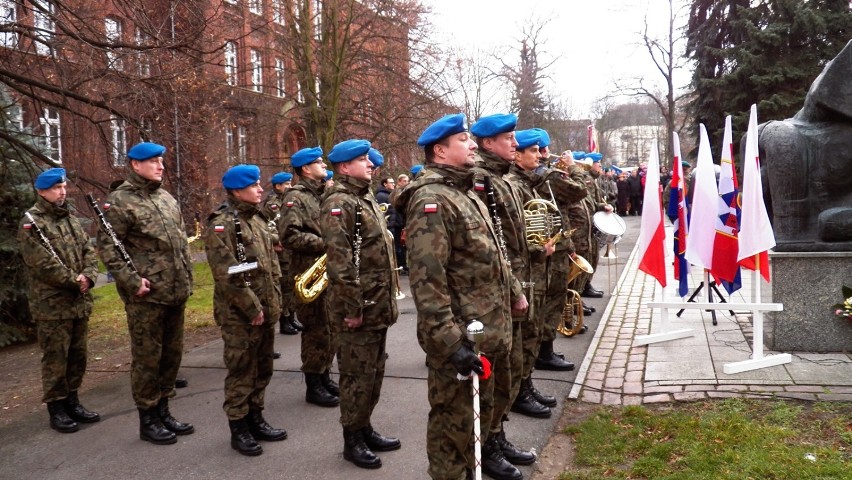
x=528, y=185
x=569, y=188
x=147, y=220
x=54, y=292
x=456, y=270
x=301, y=234
x=510, y=211
x=272, y=211
x=371, y=289
x=232, y=297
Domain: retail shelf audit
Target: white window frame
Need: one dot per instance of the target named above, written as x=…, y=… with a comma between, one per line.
x=113, y=31
x=231, y=63
x=232, y=2
x=51, y=128
x=236, y=144
x=242, y=149
x=256, y=7
x=300, y=97
x=317, y=20
x=8, y=16
x=277, y=7
x=44, y=26
x=256, y=70
x=280, y=78
x=229, y=145
x=143, y=63
x=118, y=130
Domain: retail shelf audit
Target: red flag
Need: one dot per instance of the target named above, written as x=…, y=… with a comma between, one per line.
x=651, y=234
x=677, y=213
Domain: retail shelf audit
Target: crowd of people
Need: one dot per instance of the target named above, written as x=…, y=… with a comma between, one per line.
x=321, y=256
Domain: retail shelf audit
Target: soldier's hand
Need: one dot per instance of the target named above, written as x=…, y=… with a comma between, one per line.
x=520, y=306
x=84, y=283
x=549, y=248
x=608, y=208
x=144, y=288
x=258, y=320
x=353, y=322
x=278, y=248
x=466, y=360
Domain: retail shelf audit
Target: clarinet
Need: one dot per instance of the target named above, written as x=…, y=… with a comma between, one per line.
x=107, y=228
x=498, y=224
x=356, y=242
x=244, y=267
x=43, y=238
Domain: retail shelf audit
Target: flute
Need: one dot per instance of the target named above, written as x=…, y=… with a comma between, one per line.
x=107, y=228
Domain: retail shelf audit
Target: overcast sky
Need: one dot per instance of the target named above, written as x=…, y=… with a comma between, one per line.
x=593, y=41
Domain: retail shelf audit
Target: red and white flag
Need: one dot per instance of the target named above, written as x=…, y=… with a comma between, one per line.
x=651, y=234
x=726, y=247
x=705, y=197
x=756, y=236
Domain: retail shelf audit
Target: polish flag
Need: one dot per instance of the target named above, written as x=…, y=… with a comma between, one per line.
x=705, y=197
x=756, y=235
x=726, y=246
x=651, y=234
x=677, y=213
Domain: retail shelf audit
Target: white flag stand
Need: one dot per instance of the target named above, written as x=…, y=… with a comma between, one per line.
x=665, y=335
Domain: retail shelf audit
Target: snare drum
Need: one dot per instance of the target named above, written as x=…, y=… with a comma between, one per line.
x=609, y=227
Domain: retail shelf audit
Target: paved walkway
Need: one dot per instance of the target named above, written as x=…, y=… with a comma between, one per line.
x=615, y=371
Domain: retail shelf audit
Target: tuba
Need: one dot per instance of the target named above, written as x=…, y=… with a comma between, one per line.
x=571, y=322
x=543, y=221
x=311, y=283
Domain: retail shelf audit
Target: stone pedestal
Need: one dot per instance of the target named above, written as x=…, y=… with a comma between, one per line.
x=808, y=284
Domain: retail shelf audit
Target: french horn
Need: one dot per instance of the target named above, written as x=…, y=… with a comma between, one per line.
x=543, y=221
x=571, y=322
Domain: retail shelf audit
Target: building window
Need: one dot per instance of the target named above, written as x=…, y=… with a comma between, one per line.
x=241, y=144
x=232, y=2
x=278, y=11
x=51, y=134
x=143, y=62
x=300, y=97
x=256, y=71
x=318, y=19
x=235, y=144
x=231, y=63
x=8, y=17
x=229, y=145
x=256, y=7
x=112, y=27
x=14, y=117
x=44, y=26
x=119, y=141
x=280, y=83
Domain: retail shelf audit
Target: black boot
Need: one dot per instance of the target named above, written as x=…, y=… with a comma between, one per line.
x=59, y=419
x=591, y=292
x=241, y=439
x=171, y=422
x=296, y=323
x=526, y=404
x=181, y=382
x=379, y=442
x=78, y=412
x=356, y=450
x=151, y=428
x=262, y=430
x=329, y=384
x=513, y=454
x=317, y=394
x=546, y=400
x=285, y=326
x=495, y=465
x=547, y=360
x=587, y=311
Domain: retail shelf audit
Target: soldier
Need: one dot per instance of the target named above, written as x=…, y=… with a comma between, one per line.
x=62, y=266
x=594, y=202
x=303, y=238
x=281, y=182
x=242, y=258
x=147, y=220
x=363, y=285
x=457, y=275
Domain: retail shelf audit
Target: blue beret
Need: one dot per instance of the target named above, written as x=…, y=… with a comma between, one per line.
x=527, y=138
x=49, y=178
x=578, y=155
x=240, y=176
x=416, y=169
x=545, y=137
x=305, y=156
x=348, y=150
x=281, y=177
x=595, y=156
x=617, y=170
x=685, y=164
x=443, y=128
x=328, y=175
x=145, y=150
x=494, y=125
x=376, y=158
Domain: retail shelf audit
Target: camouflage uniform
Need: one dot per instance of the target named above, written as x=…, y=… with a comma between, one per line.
x=568, y=189
x=593, y=203
x=510, y=210
x=272, y=210
x=367, y=291
x=61, y=312
x=239, y=298
x=457, y=275
x=303, y=238
x=147, y=220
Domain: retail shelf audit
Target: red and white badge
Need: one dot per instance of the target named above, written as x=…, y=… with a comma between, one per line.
x=290, y=203
x=107, y=205
x=219, y=228
x=273, y=207
x=28, y=226
x=479, y=186
x=430, y=208
x=335, y=212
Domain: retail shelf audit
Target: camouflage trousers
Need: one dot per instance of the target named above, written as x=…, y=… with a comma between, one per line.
x=449, y=431
x=531, y=338
x=248, y=357
x=361, y=358
x=556, y=296
x=288, y=301
x=505, y=384
x=156, y=347
x=63, y=356
x=319, y=342
x=592, y=256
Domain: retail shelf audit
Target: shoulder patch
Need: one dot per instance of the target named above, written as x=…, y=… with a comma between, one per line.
x=107, y=205
x=479, y=186
x=430, y=208
x=335, y=212
x=273, y=206
x=290, y=203
x=219, y=228
x=28, y=226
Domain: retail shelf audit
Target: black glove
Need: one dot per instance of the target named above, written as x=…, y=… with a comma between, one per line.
x=465, y=360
